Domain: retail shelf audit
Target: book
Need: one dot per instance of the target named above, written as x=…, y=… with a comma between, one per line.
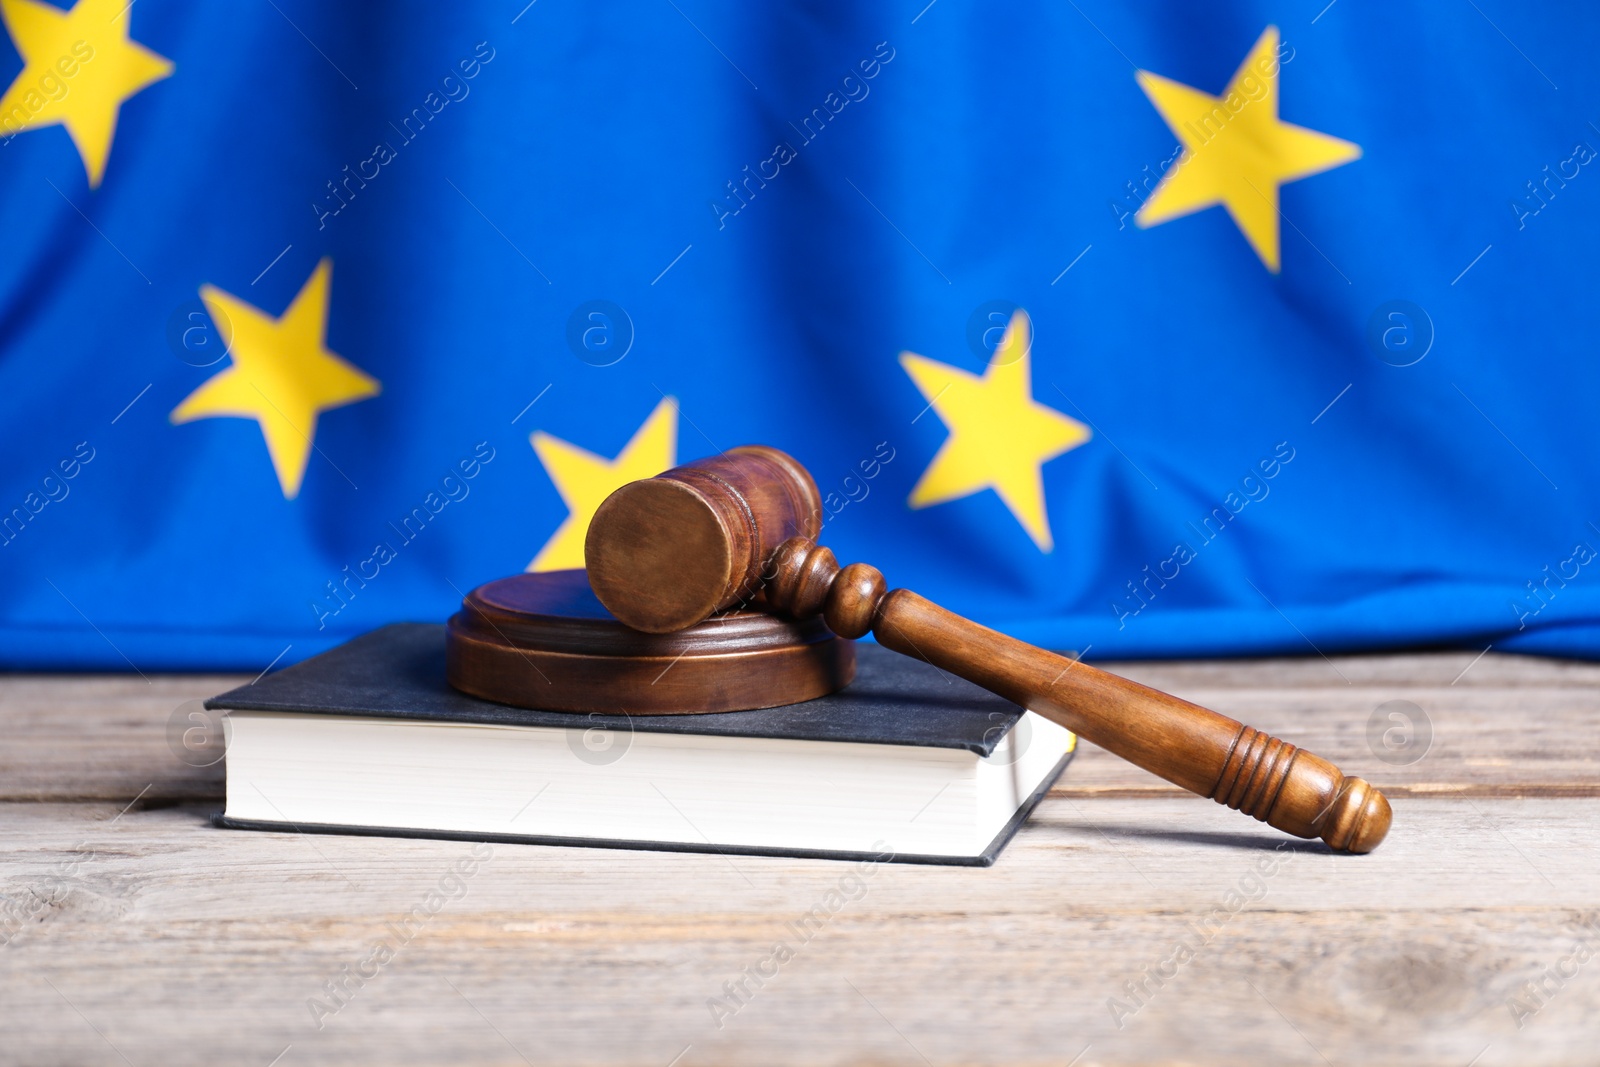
x=907, y=762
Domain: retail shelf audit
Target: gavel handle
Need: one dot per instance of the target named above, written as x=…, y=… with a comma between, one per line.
x=1194, y=747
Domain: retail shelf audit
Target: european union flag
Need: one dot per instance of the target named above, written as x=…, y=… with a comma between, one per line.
x=1179, y=331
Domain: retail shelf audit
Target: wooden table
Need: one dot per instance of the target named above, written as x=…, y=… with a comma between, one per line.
x=137, y=933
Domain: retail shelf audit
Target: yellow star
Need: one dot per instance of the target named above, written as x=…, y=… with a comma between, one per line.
x=584, y=479
x=1236, y=152
x=78, y=68
x=282, y=374
x=999, y=435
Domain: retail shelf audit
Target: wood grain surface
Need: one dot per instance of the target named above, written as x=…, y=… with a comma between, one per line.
x=136, y=933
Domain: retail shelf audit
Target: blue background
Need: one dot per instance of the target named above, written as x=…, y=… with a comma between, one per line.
x=997, y=139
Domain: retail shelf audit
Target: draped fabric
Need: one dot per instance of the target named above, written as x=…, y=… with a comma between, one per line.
x=1156, y=330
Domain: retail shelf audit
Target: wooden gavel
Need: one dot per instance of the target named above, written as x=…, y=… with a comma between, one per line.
x=668, y=552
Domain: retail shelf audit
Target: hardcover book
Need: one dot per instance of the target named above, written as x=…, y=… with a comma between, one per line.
x=907, y=762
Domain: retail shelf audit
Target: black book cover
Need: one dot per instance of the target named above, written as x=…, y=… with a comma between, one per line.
x=397, y=672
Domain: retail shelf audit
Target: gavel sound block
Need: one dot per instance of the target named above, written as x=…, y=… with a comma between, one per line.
x=669, y=552
x=543, y=641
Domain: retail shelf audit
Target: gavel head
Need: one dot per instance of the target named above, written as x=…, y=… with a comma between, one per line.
x=667, y=552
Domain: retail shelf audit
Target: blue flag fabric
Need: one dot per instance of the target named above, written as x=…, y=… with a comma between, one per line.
x=1162, y=332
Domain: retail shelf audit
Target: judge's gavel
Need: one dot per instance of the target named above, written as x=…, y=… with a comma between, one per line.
x=668, y=552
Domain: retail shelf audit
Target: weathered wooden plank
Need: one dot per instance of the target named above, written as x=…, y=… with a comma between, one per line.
x=183, y=944
x=1485, y=725
x=1508, y=726
x=1481, y=740
x=102, y=736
